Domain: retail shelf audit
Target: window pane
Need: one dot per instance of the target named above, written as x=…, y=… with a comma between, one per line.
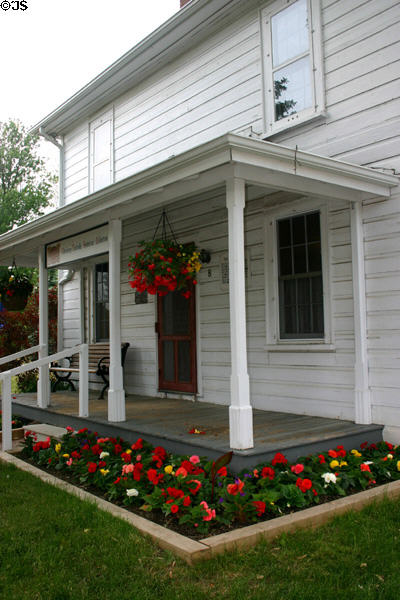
x=314, y=257
x=184, y=361
x=175, y=314
x=289, y=33
x=316, y=289
x=299, y=230
x=285, y=261
x=292, y=88
x=169, y=362
x=313, y=228
x=300, y=259
x=285, y=238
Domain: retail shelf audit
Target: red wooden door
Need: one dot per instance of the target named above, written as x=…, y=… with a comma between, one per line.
x=177, y=343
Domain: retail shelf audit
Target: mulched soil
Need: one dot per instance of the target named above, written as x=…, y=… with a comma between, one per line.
x=157, y=516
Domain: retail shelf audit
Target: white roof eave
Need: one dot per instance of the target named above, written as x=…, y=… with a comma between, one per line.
x=258, y=162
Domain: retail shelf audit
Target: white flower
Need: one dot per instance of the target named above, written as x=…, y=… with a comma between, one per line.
x=104, y=454
x=329, y=478
x=368, y=462
x=132, y=492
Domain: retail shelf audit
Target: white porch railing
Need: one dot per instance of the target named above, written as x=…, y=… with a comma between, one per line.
x=5, y=377
x=21, y=354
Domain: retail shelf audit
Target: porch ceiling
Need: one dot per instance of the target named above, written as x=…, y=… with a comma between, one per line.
x=266, y=168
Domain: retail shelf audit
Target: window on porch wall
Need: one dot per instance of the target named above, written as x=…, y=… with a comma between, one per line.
x=301, y=310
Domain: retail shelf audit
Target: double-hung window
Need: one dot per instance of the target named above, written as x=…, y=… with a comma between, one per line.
x=301, y=309
x=294, y=90
x=297, y=277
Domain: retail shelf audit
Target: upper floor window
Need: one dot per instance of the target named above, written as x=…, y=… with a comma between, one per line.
x=293, y=69
x=101, y=151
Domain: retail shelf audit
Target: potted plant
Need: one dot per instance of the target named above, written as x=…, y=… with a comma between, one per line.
x=163, y=265
x=15, y=288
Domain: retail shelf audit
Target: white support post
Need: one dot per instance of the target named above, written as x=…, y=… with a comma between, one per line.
x=361, y=380
x=84, y=381
x=116, y=392
x=6, y=412
x=43, y=397
x=240, y=410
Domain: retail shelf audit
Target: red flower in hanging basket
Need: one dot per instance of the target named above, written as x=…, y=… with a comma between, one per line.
x=163, y=266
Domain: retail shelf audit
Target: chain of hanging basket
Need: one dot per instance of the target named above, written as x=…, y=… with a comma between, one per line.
x=163, y=265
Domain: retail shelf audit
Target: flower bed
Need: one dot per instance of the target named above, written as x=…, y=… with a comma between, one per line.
x=202, y=496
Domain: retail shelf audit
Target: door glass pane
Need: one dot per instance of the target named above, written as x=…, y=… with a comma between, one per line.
x=184, y=371
x=292, y=87
x=290, y=32
x=169, y=362
x=102, y=307
x=175, y=314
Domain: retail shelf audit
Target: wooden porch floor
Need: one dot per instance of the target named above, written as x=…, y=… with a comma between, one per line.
x=168, y=422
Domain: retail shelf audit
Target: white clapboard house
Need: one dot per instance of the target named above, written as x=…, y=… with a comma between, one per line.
x=269, y=131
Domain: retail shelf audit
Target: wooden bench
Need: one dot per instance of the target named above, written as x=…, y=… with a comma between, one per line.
x=99, y=363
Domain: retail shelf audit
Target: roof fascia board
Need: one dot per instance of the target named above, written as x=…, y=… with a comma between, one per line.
x=274, y=160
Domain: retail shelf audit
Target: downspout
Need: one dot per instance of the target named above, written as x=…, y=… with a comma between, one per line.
x=52, y=140
x=64, y=276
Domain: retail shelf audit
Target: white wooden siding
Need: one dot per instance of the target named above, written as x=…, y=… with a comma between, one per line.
x=215, y=88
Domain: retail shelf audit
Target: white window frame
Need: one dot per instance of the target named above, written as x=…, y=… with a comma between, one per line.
x=273, y=340
x=104, y=117
x=317, y=109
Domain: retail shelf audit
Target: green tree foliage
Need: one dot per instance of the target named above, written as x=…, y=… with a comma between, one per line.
x=283, y=108
x=26, y=187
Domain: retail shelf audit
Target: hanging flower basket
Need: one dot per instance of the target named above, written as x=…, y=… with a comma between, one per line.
x=15, y=289
x=163, y=266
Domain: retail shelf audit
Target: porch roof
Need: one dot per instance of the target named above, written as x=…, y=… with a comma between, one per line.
x=265, y=167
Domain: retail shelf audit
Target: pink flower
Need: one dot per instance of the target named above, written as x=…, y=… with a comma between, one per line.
x=297, y=469
x=210, y=513
x=128, y=469
x=194, y=459
x=69, y=462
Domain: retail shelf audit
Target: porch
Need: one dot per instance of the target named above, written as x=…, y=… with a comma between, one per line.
x=167, y=422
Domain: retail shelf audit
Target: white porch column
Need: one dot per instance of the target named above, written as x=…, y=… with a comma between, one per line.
x=43, y=395
x=116, y=392
x=240, y=410
x=362, y=392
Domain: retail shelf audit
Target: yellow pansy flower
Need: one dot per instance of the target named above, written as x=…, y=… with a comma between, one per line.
x=169, y=469
x=343, y=463
x=129, y=451
x=104, y=471
x=57, y=448
x=356, y=453
x=398, y=465
x=65, y=455
x=333, y=464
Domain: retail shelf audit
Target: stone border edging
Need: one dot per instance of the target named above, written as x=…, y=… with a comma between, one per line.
x=245, y=537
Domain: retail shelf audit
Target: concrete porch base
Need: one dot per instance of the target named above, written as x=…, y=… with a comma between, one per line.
x=167, y=422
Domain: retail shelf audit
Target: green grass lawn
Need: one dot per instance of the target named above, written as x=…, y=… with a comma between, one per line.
x=55, y=547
